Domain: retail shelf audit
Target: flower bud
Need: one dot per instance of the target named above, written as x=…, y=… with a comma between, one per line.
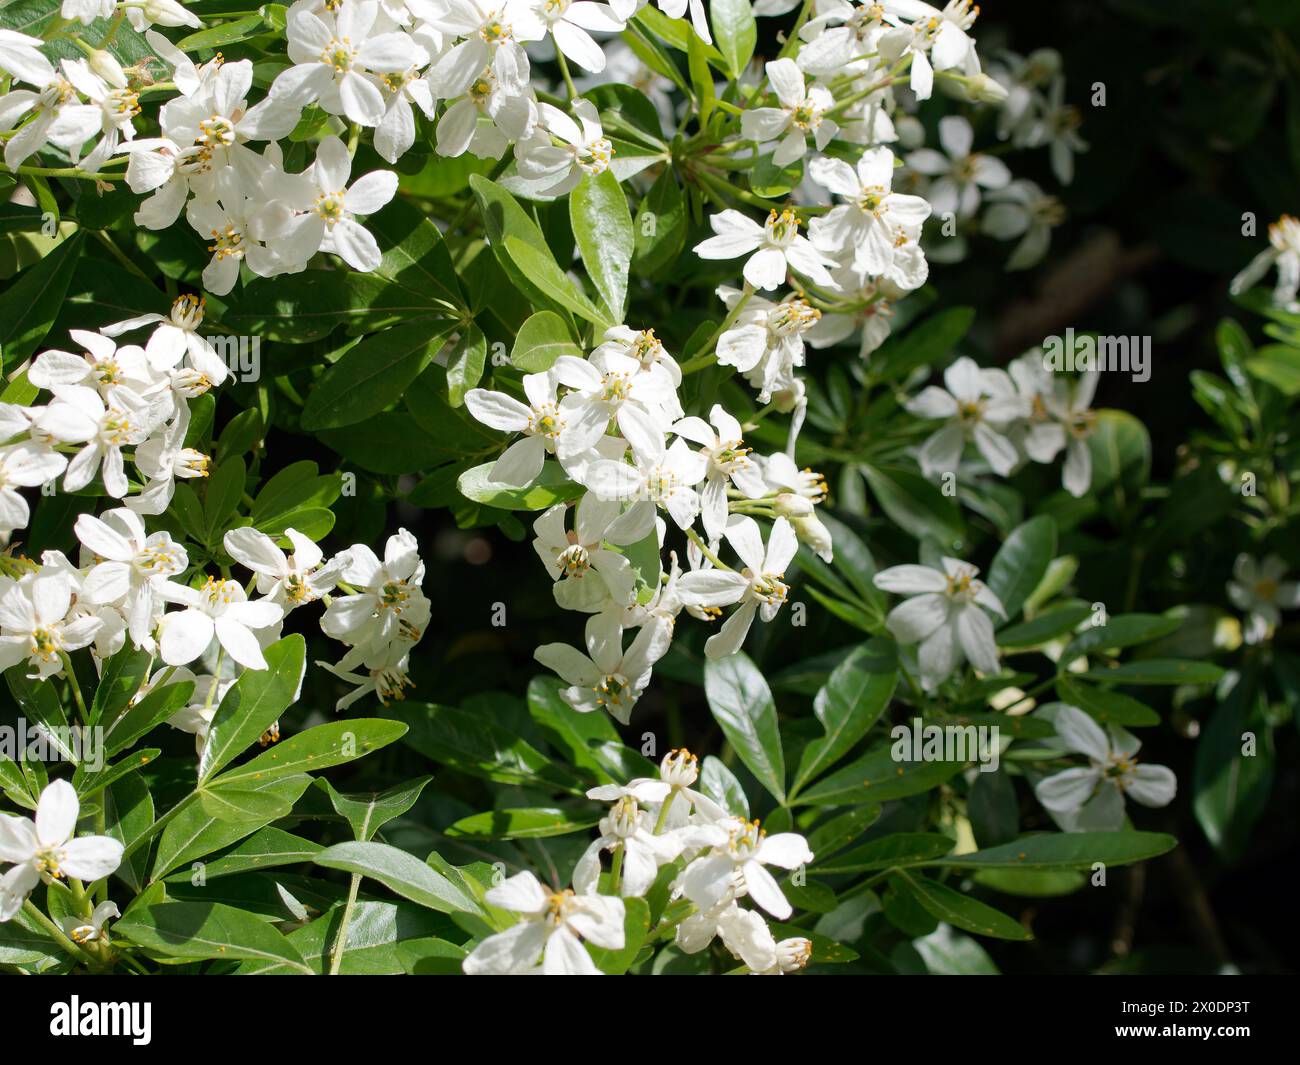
x=812, y=532
x=679, y=768
x=108, y=68
x=792, y=505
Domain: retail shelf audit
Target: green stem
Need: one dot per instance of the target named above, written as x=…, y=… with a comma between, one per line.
x=157, y=826
x=663, y=811
x=564, y=72
x=699, y=362
x=75, y=685
x=616, y=870
x=704, y=550
x=341, y=939
x=111, y=32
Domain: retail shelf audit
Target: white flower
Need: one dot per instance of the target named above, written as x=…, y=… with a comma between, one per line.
x=1257, y=589
x=758, y=588
x=944, y=614
x=611, y=386
x=388, y=605
x=80, y=930
x=569, y=21
x=1284, y=236
x=79, y=416
x=21, y=56
x=765, y=340
x=625, y=9
x=629, y=826
x=742, y=847
x=868, y=224
x=384, y=675
x=951, y=45
x=135, y=564
x=163, y=458
x=219, y=609
x=1058, y=127
x=334, y=51
x=979, y=405
x=116, y=106
x=541, y=420
x=607, y=677
x=34, y=622
x=493, y=32
x=728, y=463
x=553, y=927
x=802, y=112
x=242, y=225
x=45, y=847
x=590, y=576
x=961, y=173
x=648, y=350
x=1092, y=799
x=142, y=13
x=558, y=168
x=1023, y=211
x=395, y=132
x=776, y=248
x=175, y=338
x=328, y=223
x=510, y=112
x=102, y=365
x=24, y=465
x=668, y=479
x=290, y=580
x=58, y=118
x=86, y=11
x=833, y=49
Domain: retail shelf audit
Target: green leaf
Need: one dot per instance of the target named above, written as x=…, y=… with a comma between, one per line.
x=877, y=777
x=391, y=442
x=1232, y=787
x=1121, y=457
x=1158, y=671
x=119, y=680
x=416, y=262
x=736, y=33
x=720, y=784
x=546, y=274
x=742, y=705
x=253, y=704
x=222, y=493
x=317, y=748
x=1122, y=630
x=551, y=487
x=957, y=909
x=29, y=306
x=474, y=744
x=602, y=228
x=265, y=849
x=373, y=374
x=400, y=872
x=660, y=225
x=541, y=340
x=1021, y=562
x=193, y=832
x=1048, y=626
x=529, y=823
x=242, y=804
x=1067, y=850
x=993, y=809
x=889, y=852
x=1108, y=707
x=465, y=363
x=202, y=930
x=227, y=33
x=367, y=814
x=853, y=699
x=590, y=740
x=917, y=505
x=146, y=715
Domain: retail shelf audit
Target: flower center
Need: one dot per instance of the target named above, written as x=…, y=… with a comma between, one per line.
x=575, y=560
x=227, y=243
x=329, y=205
x=782, y=228
x=546, y=421
x=339, y=54
x=613, y=690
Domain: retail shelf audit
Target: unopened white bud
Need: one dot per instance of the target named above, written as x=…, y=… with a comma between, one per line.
x=108, y=68
x=812, y=532
x=793, y=505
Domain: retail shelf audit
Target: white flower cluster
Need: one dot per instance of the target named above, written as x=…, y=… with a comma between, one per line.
x=109, y=405
x=653, y=823
x=608, y=420
x=1023, y=413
